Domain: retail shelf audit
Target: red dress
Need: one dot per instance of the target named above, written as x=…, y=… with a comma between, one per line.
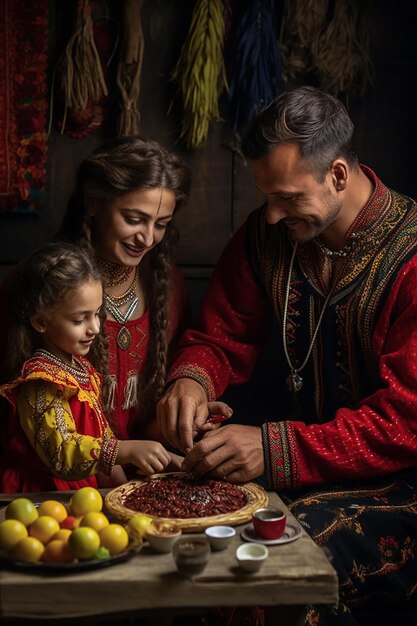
x=126, y=365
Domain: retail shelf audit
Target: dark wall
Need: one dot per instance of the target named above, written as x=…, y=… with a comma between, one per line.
x=223, y=193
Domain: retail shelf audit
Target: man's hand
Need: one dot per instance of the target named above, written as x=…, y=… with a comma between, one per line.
x=234, y=452
x=181, y=412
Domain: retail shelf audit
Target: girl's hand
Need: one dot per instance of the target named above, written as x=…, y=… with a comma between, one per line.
x=176, y=463
x=149, y=456
x=116, y=478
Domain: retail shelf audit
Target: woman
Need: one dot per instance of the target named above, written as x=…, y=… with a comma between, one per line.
x=126, y=194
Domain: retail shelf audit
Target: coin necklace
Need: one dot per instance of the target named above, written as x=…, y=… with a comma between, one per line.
x=294, y=380
x=114, y=304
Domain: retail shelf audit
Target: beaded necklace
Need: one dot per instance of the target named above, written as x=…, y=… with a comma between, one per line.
x=77, y=370
x=113, y=306
x=113, y=273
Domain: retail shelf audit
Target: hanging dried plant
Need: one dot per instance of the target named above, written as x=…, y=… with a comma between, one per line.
x=341, y=52
x=82, y=77
x=330, y=40
x=130, y=67
x=200, y=71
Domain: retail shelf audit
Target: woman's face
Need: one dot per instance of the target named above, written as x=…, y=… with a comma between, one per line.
x=128, y=227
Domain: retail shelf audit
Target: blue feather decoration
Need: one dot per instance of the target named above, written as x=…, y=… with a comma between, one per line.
x=254, y=66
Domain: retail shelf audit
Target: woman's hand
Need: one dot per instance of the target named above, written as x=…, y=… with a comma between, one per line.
x=181, y=412
x=218, y=413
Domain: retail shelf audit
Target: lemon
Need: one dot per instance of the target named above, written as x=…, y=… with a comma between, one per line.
x=11, y=532
x=137, y=525
x=86, y=500
x=23, y=510
x=29, y=549
x=114, y=537
x=43, y=528
x=84, y=542
x=95, y=519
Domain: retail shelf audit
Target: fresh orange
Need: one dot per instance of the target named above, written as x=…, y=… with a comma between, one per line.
x=95, y=519
x=57, y=551
x=85, y=500
x=11, y=532
x=53, y=508
x=84, y=542
x=43, y=528
x=23, y=510
x=114, y=537
x=29, y=549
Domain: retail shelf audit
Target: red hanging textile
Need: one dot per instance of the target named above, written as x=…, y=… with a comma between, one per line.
x=23, y=104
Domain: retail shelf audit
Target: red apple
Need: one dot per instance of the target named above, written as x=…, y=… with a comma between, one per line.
x=71, y=522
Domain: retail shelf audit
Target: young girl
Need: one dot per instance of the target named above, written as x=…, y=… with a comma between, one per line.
x=57, y=434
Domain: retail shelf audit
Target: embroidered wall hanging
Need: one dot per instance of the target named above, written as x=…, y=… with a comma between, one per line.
x=23, y=104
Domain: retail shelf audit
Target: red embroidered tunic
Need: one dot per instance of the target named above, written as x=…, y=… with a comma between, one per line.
x=126, y=366
x=356, y=414
x=57, y=435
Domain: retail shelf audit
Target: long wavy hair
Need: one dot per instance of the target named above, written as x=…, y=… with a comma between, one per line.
x=120, y=166
x=41, y=282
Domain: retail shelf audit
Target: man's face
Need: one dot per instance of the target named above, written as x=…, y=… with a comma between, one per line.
x=306, y=205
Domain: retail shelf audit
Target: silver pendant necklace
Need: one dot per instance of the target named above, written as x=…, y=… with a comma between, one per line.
x=294, y=380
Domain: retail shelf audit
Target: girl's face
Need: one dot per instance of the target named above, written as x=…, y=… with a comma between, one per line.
x=69, y=329
x=128, y=227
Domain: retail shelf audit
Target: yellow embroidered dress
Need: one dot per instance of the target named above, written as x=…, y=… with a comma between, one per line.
x=57, y=435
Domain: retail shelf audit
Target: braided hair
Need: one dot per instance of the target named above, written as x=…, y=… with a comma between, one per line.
x=120, y=166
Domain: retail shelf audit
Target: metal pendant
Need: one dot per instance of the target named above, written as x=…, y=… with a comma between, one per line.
x=124, y=338
x=294, y=381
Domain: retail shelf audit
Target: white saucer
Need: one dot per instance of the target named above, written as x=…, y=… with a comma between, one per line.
x=291, y=533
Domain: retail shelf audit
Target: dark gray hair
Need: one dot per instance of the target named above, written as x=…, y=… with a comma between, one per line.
x=317, y=121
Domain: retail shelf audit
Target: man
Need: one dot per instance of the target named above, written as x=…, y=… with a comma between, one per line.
x=332, y=257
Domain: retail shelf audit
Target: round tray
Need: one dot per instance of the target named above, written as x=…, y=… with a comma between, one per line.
x=256, y=498
x=8, y=561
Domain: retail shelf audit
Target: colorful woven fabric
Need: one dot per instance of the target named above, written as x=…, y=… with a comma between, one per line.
x=23, y=104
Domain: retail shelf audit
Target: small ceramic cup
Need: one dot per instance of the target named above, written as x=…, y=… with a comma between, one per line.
x=219, y=536
x=269, y=523
x=251, y=556
x=162, y=537
x=191, y=555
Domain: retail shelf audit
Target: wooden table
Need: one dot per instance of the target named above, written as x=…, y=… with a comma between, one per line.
x=295, y=574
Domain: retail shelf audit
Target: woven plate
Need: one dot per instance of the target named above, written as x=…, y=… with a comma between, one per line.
x=256, y=498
